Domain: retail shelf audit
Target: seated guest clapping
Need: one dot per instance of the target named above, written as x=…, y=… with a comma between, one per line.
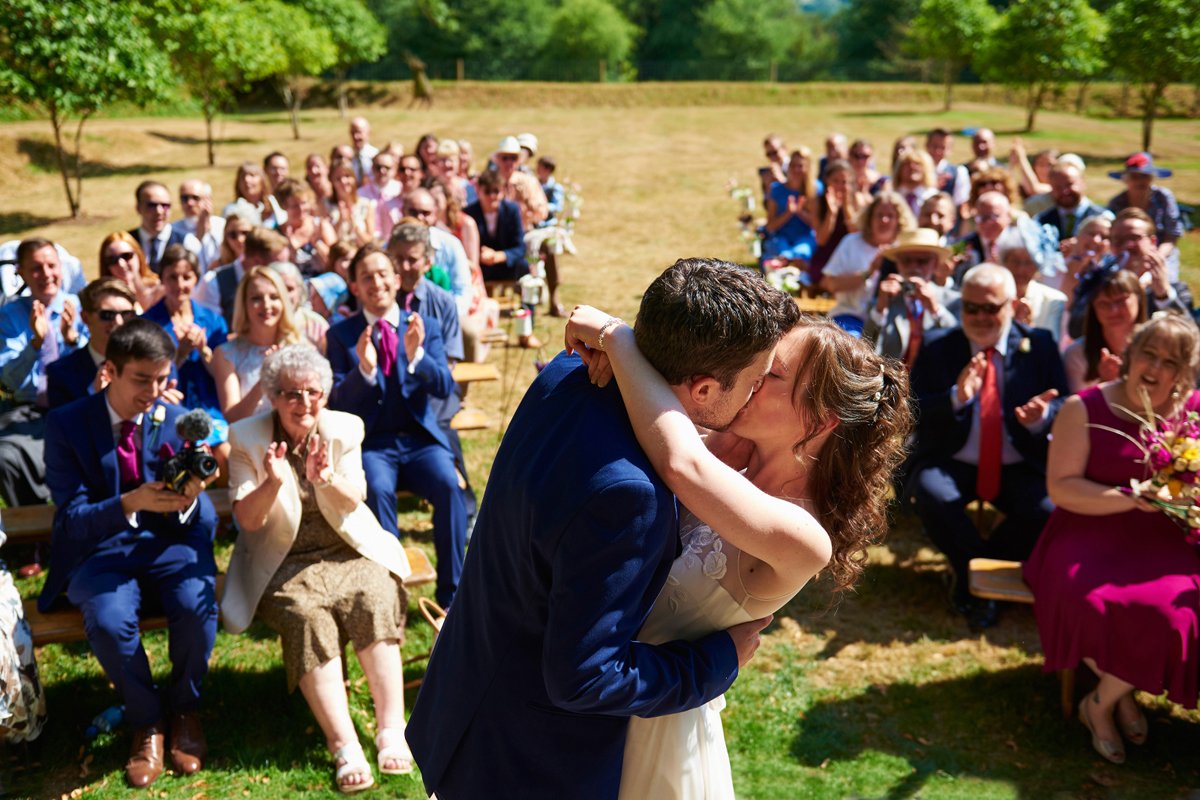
x=1115, y=586
x=389, y=366
x=123, y=541
x=1117, y=305
x=105, y=304
x=987, y=392
x=121, y=257
x=1038, y=305
x=312, y=561
x=909, y=301
x=262, y=323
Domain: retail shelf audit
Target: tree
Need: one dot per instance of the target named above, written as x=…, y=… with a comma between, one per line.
x=949, y=31
x=582, y=34
x=73, y=58
x=1155, y=43
x=308, y=51
x=219, y=47
x=1041, y=44
x=869, y=33
x=742, y=38
x=358, y=37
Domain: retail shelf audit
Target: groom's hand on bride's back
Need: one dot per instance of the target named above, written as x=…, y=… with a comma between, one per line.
x=746, y=638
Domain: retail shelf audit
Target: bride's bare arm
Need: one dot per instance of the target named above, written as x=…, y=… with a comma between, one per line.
x=787, y=538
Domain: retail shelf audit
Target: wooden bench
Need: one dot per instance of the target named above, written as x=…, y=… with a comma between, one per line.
x=996, y=579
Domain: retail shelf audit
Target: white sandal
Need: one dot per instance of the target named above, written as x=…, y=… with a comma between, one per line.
x=354, y=761
x=398, y=753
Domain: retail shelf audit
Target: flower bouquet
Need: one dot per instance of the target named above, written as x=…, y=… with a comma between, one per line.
x=1171, y=451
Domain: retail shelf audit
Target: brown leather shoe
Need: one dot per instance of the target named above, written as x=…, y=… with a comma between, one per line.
x=188, y=747
x=145, y=762
x=530, y=342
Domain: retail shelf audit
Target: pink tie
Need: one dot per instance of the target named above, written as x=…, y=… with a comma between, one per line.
x=388, y=342
x=127, y=459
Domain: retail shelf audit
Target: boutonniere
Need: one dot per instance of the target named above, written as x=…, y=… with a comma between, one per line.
x=156, y=421
x=1025, y=345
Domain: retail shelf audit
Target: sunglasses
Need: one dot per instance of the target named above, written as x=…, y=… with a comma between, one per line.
x=411, y=169
x=986, y=217
x=234, y=234
x=112, y=315
x=164, y=206
x=301, y=395
x=383, y=167
x=189, y=198
x=507, y=157
x=991, y=309
x=489, y=192
x=115, y=258
x=860, y=156
x=420, y=212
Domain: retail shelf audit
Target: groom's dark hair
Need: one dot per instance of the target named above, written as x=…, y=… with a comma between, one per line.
x=704, y=316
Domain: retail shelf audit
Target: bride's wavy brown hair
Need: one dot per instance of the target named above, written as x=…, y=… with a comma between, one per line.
x=843, y=378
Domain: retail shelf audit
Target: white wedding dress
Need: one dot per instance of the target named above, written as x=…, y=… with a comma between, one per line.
x=684, y=755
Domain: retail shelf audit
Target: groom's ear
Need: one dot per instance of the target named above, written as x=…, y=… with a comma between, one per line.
x=703, y=389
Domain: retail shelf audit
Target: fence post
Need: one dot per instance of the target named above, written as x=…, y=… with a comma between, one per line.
x=460, y=69
x=603, y=71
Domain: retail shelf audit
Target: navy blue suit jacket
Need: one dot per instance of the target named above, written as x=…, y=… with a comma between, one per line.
x=1052, y=216
x=942, y=431
x=176, y=237
x=81, y=471
x=70, y=377
x=509, y=235
x=352, y=393
x=536, y=670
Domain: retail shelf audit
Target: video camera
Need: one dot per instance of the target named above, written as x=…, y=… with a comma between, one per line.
x=195, y=458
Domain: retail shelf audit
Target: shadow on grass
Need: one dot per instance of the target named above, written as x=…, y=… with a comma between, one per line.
x=901, y=597
x=198, y=140
x=965, y=728
x=19, y=221
x=43, y=155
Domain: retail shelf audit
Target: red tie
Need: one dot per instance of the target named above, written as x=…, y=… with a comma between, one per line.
x=388, y=342
x=127, y=457
x=987, y=480
x=916, y=331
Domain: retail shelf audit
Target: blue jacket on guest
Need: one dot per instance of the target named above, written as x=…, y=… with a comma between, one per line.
x=352, y=393
x=538, y=668
x=71, y=376
x=84, y=480
x=509, y=236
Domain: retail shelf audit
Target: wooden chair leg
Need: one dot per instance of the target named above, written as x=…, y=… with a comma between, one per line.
x=1066, y=686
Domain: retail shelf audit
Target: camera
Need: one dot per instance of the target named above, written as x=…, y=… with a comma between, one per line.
x=195, y=459
x=908, y=288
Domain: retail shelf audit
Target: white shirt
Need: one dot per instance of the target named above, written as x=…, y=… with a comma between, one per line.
x=392, y=316
x=153, y=245
x=362, y=162
x=372, y=191
x=969, y=454
x=210, y=243
x=208, y=294
x=853, y=255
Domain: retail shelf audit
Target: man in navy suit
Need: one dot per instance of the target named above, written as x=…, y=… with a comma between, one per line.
x=987, y=391
x=537, y=668
x=105, y=304
x=123, y=541
x=156, y=233
x=388, y=367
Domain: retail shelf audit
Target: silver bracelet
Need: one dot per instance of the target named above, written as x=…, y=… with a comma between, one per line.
x=608, y=325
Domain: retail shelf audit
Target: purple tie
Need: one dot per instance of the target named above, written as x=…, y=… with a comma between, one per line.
x=388, y=341
x=127, y=460
x=46, y=356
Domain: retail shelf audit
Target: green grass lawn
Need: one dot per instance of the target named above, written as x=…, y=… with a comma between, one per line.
x=884, y=694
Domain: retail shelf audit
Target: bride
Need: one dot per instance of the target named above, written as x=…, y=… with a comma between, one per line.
x=799, y=481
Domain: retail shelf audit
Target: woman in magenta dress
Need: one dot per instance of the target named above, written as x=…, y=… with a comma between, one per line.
x=1115, y=585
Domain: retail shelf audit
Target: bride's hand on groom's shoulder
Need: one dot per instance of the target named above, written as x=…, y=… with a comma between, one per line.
x=583, y=329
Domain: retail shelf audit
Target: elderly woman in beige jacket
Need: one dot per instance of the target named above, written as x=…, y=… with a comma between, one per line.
x=313, y=562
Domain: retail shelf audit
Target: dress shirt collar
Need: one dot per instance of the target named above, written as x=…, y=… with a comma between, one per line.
x=1001, y=346
x=96, y=355
x=392, y=315
x=115, y=419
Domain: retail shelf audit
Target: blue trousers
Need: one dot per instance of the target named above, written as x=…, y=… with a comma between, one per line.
x=425, y=468
x=942, y=491
x=176, y=575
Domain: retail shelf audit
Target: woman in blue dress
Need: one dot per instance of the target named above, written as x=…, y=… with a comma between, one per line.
x=790, y=209
x=197, y=332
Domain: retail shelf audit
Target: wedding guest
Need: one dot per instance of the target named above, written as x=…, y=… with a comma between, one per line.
x=1142, y=192
x=465, y=153
x=195, y=198
x=362, y=152
x=836, y=215
x=197, y=332
x=262, y=323
x=105, y=304
x=1034, y=178
x=233, y=243
x=951, y=178
x=853, y=271
x=914, y=178
x=121, y=257
x=352, y=215
x=278, y=169
x=1116, y=307
x=328, y=292
x=1114, y=580
x=316, y=175
x=501, y=237
x=120, y=537
x=313, y=563
x=1068, y=188
x=309, y=235
x=1038, y=305
x=219, y=288
x=313, y=324
x=426, y=151
x=156, y=233
x=383, y=185
x=790, y=210
x=866, y=180
x=1088, y=252
x=520, y=187
x=251, y=196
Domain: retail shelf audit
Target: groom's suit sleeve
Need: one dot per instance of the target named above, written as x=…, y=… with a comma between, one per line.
x=602, y=569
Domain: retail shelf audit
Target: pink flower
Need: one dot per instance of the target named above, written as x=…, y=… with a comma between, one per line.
x=1160, y=456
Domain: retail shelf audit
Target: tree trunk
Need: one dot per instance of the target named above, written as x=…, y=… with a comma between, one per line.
x=948, y=77
x=78, y=168
x=291, y=99
x=1081, y=97
x=57, y=123
x=209, y=113
x=1123, y=106
x=1037, y=94
x=343, y=100
x=1150, y=99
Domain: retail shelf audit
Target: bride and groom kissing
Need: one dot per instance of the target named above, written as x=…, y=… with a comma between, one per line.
x=622, y=566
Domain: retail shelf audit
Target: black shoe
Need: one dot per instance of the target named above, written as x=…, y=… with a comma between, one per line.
x=984, y=615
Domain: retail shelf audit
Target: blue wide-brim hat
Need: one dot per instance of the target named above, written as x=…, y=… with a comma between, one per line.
x=1143, y=163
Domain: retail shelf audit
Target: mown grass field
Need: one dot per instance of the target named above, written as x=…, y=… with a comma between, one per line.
x=885, y=694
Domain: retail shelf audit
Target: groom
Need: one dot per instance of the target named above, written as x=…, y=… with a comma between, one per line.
x=537, y=669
